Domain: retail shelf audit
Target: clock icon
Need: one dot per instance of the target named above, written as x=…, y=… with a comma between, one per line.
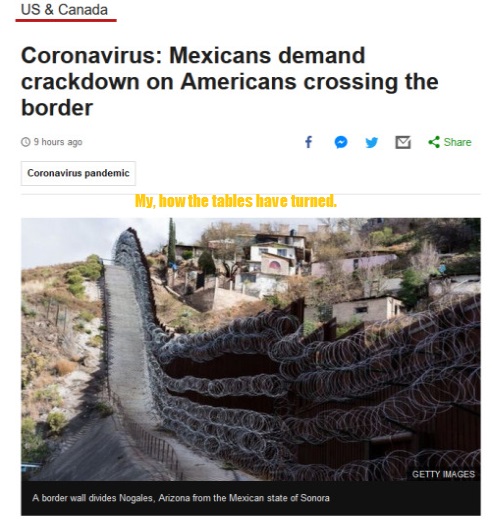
x=25, y=142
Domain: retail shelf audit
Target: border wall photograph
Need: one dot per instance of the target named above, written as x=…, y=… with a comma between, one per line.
x=220, y=350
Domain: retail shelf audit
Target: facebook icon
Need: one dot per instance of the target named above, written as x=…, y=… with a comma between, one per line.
x=308, y=141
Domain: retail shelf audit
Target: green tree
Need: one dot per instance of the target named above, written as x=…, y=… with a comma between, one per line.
x=412, y=287
x=171, y=255
x=206, y=263
x=226, y=247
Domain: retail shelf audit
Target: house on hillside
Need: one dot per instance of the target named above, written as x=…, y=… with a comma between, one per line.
x=355, y=261
x=257, y=251
x=259, y=284
x=455, y=285
x=368, y=309
x=264, y=259
x=277, y=265
x=286, y=243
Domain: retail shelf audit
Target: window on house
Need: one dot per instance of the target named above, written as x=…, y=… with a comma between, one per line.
x=356, y=263
x=361, y=309
x=263, y=250
x=282, y=252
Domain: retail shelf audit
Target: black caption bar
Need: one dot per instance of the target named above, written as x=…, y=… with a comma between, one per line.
x=251, y=498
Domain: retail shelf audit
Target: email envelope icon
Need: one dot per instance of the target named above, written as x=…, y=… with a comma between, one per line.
x=403, y=142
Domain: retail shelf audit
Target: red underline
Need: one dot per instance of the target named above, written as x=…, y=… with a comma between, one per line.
x=66, y=20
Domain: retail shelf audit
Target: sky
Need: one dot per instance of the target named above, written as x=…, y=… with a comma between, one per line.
x=49, y=241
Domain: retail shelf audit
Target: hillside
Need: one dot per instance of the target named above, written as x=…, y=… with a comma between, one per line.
x=62, y=362
x=61, y=354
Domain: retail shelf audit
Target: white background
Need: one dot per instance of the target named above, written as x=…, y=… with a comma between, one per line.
x=249, y=141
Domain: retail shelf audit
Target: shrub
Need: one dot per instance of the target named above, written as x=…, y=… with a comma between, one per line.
x=32, y=366
x=87, y=316
x=28, y=312
x=56, y=421
x=93, y=259
x=74, y=276
x=273, y=300
x=90, y=271
x=79, y=327
x=75, y=282
x=77, y=290
x=33, y=447
x=92, y=268
x=309, y=327
x=345, y=328
x=96, y=341
x=27, y=426
x=64, y=366
x=50, y=394
x=383, y=237
x=104, y=409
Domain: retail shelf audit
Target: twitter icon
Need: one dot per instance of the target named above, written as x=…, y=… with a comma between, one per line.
x=371, y=142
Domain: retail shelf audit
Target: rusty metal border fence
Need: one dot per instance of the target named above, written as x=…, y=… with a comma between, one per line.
x=360, y=389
